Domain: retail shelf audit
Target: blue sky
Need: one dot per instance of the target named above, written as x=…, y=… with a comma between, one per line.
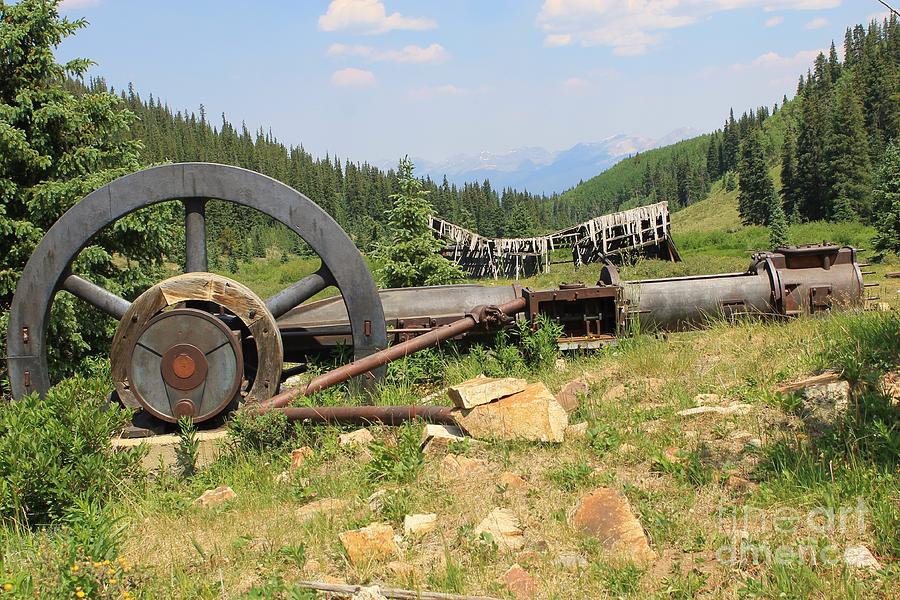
x=376, y=79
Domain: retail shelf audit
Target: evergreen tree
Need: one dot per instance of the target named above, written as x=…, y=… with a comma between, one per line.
x=410, y=256
x=757, y=192
x=886, y=195
x=778, y=226
x=57, y=146
x=790, y=199
x=847, y=157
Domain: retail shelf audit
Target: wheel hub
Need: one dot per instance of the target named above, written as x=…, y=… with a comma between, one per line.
x=185, y=363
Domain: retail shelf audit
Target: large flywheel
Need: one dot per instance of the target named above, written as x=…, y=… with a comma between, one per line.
x=180, y=347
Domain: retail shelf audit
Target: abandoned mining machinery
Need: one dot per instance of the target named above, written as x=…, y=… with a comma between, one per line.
x=200, y=345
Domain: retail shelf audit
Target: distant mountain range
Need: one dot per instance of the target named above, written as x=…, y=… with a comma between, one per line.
x=539, y=170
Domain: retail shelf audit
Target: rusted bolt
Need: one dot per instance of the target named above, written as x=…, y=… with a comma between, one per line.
x=25, y=336
x=27, y=378
x=252, y=313
x=134, y=318
x=367, y=327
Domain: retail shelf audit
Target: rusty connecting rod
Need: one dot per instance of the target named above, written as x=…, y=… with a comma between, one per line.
x=487, y=316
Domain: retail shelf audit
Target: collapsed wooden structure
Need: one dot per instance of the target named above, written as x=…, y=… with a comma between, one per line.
x=641, y=231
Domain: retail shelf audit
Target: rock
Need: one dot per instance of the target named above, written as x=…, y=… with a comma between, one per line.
x=740, y=485
x=606, y=515
x=893, y=275
x=859, y=557
x=368, y=593
x=519, y=582
x=215, y=497
x=707, y=399
x=755, y=443
x=436, y=438
x=299, y=456
x=571, y=562
x=560, y=364
x=825, y=398
x=513, y=481
x=532, y=414
x=578, y=431
x=284, y=477
x=483, y=390
x=626, y=449
x=616, y=392
x=457, y=466
x=312, y=567
x=375, y=500
x=569, y=397
x=890, y=387
x=733, y=409
x=404, y=570
x=503, y=526
x=360, y=437
x=419, y=524
x=370, y=544
x=325, y=506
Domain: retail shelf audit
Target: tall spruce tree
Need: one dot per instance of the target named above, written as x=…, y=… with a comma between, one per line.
x=789, y=197
x=756, y=196
x=886, y=195
x=56, y=146
x=410, y=255
x=847, y=157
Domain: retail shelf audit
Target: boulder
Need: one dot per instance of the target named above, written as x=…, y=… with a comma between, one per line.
x=519, y=582
x=859, y=557
x=360, y=437
x=483, y=390
x=890, y=387
x=368, y=593
x=419, y=524
x=606, y=515
x=503, y=527
x=299, y=456
x=825, y=398
x=532, y=414
x=457, y=466
x=325, y=506
x=436, y=438
x=513, y=481
x=569, y=397
x=370, y=544
x=220, y=495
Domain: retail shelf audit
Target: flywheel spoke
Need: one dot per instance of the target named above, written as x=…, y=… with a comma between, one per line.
x=300, y=292
x=195, y=236
x=96, y=296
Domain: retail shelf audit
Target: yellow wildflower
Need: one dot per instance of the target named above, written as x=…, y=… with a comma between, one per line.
x=105, y=563
x=96, y=565
x=113, y=581
x=7, y=587
x=80, y=594
x=74, y=568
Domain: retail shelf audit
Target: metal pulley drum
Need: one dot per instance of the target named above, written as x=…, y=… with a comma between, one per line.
x=197, y=344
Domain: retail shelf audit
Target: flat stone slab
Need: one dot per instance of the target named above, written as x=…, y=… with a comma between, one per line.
x=532, y=415
x=373, y=543
x=569, y=397
x=161, y=448
x=503, y=527
x=606, y=515
x=483, y=390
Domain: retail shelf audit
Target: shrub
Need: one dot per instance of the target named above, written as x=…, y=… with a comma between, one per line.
x=254, y=432
x=539, y=345
x=56, y=450
x=400, y=461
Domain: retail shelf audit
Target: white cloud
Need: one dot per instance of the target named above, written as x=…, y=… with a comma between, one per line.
x=433, y=54
x=351, y=77
x=774, y=21
x=633, y=27
x=774, y=61
x=368, y=16
x=816, y=23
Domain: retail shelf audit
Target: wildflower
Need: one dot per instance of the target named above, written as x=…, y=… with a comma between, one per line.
x=7, y=587
x=96, y=565
x=113, y=581
x=80, y=594
x=74, y=568
x=105, y=563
